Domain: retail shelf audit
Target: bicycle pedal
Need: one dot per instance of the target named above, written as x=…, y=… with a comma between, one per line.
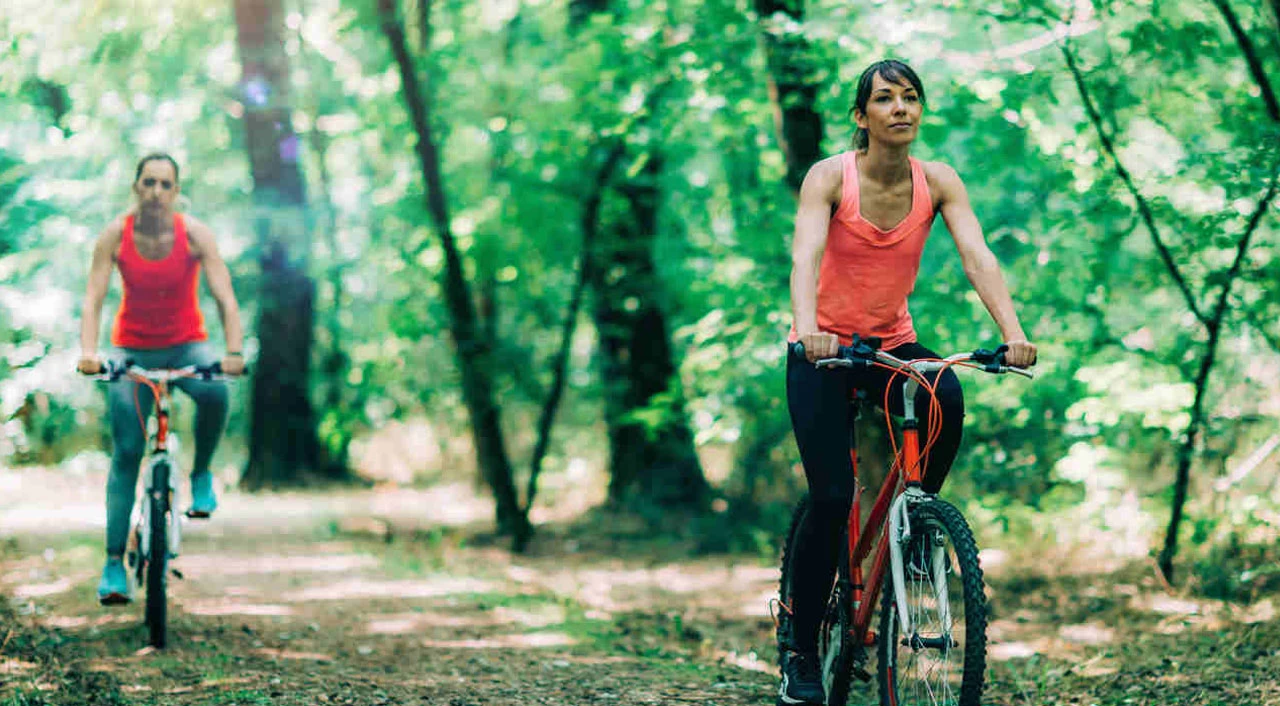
x=178, y=573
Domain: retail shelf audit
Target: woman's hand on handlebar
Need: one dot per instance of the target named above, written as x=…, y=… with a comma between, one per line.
x=819, y=345
x=1020, y=354
x=89, y=365
x=233, y=365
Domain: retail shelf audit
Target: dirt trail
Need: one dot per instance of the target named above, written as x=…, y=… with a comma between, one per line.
x=400, y=598
x=379, y=597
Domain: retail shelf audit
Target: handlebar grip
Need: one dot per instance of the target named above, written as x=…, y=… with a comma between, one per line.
x=797, y=348
x=206, y=372
x=113, y=369
x=854, y=353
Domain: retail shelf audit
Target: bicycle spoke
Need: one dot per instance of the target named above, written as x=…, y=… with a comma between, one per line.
x=936, y=665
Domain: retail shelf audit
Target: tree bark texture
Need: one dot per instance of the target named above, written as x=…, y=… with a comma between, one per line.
x=283, y=448
x=472, y=352
x=590, y=229
x=652, y=457
x=793, y=89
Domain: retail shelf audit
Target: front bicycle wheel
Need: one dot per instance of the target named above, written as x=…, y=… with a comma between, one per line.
x=940, y=658
x=158, y=556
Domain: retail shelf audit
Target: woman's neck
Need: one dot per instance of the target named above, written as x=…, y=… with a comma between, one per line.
x=152, y=223
x=886, y=164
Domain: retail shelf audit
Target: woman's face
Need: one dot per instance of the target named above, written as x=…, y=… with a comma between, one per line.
x=156, y=187
x=893, y=112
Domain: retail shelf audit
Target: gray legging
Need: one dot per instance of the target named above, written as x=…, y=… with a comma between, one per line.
x=130, y=443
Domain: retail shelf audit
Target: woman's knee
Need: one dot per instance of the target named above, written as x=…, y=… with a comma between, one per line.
x=950, y=394
x=209, y=396
x=126, y=457
x=833, y=502
x=128, y=443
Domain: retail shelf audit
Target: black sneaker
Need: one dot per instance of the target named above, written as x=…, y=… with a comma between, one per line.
x=801, y=679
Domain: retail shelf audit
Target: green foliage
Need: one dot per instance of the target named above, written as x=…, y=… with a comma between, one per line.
x=529, y=106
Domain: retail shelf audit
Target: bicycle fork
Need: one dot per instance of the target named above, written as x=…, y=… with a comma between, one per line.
x=166, y=493
x=899, y=536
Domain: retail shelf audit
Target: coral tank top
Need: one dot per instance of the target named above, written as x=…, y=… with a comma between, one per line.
x=867, y=272
x=161, y=306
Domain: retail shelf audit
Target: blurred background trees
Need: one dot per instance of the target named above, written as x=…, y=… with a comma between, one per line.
x=617, y=179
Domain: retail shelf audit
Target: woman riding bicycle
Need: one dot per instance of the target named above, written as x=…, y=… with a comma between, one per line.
x=159, y=253
x=861, y=225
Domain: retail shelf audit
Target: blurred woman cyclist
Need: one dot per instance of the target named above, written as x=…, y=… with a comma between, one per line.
x=159, y=253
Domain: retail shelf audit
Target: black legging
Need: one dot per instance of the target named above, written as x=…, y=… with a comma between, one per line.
x=819, y=405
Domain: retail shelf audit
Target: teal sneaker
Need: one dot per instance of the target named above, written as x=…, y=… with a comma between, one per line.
x=203, y=499
x=114, y=587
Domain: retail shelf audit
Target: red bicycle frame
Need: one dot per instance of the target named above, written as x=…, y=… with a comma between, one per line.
x=861, y=537
x=160, y=393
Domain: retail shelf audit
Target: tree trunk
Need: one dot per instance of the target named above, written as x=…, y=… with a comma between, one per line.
x=1186, y=453
x=559, y=366
x=792, y=89
x=282, y=441
x=335, y=363
x=472, y=352
x=798, y=130
x=652, y=458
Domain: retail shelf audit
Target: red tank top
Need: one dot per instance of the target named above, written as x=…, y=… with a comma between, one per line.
x=867, y=272
x=160, y=307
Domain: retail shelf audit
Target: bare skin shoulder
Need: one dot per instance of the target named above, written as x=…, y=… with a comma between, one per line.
x=199, y=236
x=112, y=236
x=942, y=180
x=828, y=176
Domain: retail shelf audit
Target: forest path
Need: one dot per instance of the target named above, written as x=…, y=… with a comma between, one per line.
x=400, y=597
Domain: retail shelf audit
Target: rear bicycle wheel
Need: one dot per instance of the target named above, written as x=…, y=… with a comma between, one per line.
x=835, y=645
x=941, y=659
x=158, y=556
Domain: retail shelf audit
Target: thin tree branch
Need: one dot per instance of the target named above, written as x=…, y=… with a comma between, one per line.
x=1275, y=10
x=1242, y=247
x=1144, y=209
x=590, y=229
x=473, y=353
x=1251, y=57
x=1186, y=451
x=424, y=25
x=1269, y=338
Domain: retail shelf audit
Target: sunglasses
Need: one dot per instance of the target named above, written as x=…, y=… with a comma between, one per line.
x=151, y=181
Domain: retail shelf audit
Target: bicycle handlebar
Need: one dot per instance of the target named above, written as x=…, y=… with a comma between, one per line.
x=113, y=370
x=866, y=353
